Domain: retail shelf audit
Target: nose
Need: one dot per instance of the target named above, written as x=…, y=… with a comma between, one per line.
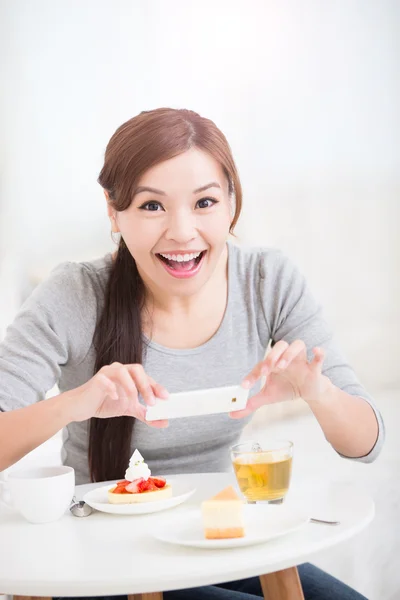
x=181, y=226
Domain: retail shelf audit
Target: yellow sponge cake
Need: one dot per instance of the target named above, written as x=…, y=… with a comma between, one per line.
x=223, y=515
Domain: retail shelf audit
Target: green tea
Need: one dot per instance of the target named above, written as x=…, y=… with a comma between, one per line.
x=263, y=478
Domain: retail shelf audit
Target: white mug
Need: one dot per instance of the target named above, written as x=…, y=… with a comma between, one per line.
x=40, y=494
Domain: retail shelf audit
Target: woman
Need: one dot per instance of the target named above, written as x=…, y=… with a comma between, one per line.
x=176, y=308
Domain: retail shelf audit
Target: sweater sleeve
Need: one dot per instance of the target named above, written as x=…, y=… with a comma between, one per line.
x=292, y=313
x=53, y=328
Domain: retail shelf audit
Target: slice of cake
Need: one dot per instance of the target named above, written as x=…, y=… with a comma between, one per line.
x=139, y=485
x=223, y=515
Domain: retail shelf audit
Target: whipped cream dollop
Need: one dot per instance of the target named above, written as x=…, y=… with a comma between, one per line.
x=137, y=468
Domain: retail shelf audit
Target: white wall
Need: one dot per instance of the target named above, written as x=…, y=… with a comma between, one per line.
x=307, y=93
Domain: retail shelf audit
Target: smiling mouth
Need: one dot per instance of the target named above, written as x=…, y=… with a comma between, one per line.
x=182, y=263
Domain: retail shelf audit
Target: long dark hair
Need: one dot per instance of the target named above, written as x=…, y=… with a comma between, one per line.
x=137, y=145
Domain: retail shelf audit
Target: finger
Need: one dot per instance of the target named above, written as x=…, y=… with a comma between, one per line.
x=253, y=404
x=265, y=366
x=110, y=372
x=125, y=387
x=158, y=390
x=274, y=356
x=142, y=383
x=291, y=353
x=318, y=360
x=240, y=414
x=125, y=382
x=252, y=377
x=107, y=386
x=137, y=410
x=161, y=424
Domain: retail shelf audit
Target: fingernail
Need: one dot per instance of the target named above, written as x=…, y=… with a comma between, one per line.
x=282, y=364
x=151, y=400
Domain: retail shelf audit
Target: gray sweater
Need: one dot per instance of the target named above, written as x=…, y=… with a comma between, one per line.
x=51, y=341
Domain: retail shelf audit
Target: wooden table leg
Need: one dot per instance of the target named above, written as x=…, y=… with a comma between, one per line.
x=150, y=596
x=32, y=598
x=282, y=585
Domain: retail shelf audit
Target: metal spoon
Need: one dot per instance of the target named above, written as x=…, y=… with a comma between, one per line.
x=79, y=508
x=320, y=521
x=317, y=521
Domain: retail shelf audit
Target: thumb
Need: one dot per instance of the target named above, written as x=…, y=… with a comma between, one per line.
x=252, y=405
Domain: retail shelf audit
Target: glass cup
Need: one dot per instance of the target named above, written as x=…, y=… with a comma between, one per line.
x=263, y=471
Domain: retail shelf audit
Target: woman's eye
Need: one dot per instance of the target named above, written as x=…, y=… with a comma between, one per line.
x=206, y=202
x=151, y=206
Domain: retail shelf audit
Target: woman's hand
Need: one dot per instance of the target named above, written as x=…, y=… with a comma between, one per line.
x=114, y=392
x=288, y=374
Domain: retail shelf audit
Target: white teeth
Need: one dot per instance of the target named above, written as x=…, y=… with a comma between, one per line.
x=181, y=257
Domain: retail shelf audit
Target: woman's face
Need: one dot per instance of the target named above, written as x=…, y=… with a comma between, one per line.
x=178, y=222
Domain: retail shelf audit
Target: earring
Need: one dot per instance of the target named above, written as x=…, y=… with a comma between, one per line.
x=116, y=237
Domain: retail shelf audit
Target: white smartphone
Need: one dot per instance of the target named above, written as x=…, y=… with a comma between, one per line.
x=210, y=401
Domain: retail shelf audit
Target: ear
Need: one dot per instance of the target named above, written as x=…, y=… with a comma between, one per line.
x=112, y=214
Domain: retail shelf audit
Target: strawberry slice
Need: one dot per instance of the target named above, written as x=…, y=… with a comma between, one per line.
x=134, y=486
x=152, y=486
x=138, y=486
x=159, y=482
x=146, y=486
x=142, y=486
x=120, y=490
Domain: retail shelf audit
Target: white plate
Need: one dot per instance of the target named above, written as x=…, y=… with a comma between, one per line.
x=98, y=499
x=263, y=522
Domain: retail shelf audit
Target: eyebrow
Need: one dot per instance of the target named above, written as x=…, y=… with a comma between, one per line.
x=143, y=188
x=203, y=188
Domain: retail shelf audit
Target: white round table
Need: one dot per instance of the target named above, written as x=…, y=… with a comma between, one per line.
x=106, y=554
